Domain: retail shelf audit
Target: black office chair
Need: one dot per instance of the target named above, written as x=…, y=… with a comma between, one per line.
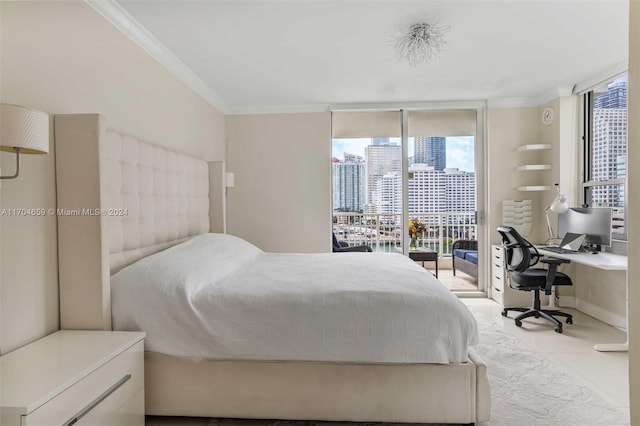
x=520, y=256
x=343, y=247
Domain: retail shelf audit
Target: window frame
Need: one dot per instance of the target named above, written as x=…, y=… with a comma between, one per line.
x=587, y=183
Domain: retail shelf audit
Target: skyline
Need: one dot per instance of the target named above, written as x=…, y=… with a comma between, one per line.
x=460, y=150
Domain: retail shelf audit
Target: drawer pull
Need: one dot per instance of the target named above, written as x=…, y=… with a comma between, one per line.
x=497, y=289
x=104, y=395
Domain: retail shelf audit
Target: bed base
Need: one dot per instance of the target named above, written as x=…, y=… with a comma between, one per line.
x=425, y=393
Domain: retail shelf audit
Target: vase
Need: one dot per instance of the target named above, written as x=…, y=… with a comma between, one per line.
x=413, y=243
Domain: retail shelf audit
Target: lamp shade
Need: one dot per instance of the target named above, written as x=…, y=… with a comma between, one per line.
x=559, y=204
x=23, y=128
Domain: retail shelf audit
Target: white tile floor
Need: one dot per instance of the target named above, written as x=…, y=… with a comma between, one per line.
x=572, y=351
x=607, y=373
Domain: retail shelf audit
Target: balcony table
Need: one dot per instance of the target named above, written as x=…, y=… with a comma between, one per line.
x=422, y=254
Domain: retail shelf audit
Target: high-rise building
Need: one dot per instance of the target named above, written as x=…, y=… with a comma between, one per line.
x=427, y=190
x=609, y=145
x=460, y=190
x=380, y=160
x=387, y=195
x=381, y=141
x=616, y=96
x=431, y=150
x=430, y=191
x=348, y=178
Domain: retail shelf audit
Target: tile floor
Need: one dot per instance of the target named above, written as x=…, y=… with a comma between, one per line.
x=572, y=351
x=607, y=373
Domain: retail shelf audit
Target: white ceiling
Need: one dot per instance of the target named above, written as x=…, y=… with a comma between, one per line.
x=301, y=55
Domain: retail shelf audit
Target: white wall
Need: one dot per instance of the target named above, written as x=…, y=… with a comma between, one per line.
x=633, y=191
x=62, y=57
x=281, y=201
x=508, y=128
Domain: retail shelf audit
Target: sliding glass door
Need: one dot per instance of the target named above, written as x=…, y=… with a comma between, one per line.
x=407, y=181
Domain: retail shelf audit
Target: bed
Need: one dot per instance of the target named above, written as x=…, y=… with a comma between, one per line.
x=152, y=203
x=465, y=257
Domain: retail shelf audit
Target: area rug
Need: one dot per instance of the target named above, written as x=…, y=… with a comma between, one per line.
x=526, y=390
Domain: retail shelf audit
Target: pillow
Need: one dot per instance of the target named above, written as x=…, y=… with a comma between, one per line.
x=202, y=260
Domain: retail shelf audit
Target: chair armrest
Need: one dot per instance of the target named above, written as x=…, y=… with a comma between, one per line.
x=551, y=273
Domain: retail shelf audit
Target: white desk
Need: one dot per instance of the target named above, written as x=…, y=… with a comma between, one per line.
x=602, y=260
x=606, y=261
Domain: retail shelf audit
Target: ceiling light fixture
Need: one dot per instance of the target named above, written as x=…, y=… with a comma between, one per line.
x=420, y=43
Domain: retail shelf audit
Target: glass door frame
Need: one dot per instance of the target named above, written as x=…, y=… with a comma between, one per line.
x=480, y=169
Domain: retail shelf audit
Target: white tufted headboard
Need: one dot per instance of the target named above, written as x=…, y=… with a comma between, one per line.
x=154, y=197
x=119, y=199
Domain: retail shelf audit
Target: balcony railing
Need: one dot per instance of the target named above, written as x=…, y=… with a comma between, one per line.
x=383, y=232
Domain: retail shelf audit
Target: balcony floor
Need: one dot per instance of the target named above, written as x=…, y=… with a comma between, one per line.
x=460, y=282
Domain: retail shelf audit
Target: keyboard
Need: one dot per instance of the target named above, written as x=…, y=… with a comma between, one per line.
x=558, y=250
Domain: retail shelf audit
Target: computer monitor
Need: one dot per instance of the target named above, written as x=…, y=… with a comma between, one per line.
x=594, y=222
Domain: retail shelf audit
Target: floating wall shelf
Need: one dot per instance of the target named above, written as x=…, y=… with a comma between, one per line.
x=534, y=188
x=534, y=147
x=528, y=167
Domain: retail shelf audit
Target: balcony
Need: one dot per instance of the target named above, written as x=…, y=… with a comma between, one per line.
x=383, y=233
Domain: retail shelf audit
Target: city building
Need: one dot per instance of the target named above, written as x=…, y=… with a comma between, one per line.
x=431, y=150
x=380, y=160
x=348, y=180
x=609, y=151
x=430, y=191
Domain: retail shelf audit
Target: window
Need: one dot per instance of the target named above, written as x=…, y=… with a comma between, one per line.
x=605, y=150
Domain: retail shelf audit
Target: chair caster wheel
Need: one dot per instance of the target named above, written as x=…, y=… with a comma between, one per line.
x=504, y=313
x=537, y=316
x=569, y=321
x=518, y=323
x=558, y=330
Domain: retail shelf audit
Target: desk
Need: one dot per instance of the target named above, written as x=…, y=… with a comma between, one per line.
x=602, y=260
x=424, y=255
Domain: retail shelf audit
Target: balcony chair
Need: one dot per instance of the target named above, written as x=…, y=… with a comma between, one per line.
x=520, y=256
x=343, y=247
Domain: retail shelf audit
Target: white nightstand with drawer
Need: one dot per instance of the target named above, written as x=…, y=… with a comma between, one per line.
x=500, y=290
x=74, y=377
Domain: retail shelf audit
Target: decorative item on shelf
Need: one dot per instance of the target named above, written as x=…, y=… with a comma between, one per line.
x=517, y=214
x=558, y=205
x=416, y=230
x=23, y=130
x=420, y=43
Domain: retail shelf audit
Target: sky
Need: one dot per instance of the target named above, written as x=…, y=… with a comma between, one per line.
x=460, y=150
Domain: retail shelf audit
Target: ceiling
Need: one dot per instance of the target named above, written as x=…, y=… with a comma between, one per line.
x=267, y=56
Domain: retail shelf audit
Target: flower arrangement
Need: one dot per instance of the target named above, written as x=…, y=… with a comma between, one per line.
x=416, y=230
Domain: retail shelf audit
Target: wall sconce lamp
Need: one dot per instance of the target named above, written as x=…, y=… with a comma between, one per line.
x=558, y=205
x=229, y=181
x=23, y=130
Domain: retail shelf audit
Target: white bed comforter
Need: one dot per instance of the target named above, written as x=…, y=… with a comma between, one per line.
x=219, y=297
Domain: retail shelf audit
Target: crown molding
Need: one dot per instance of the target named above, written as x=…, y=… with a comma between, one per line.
x=601, y=77
x=533, y=101
x=279, y=109
x=123, y=21
x=511, y=103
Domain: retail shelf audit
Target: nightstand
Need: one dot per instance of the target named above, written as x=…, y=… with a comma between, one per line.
x=74, y=377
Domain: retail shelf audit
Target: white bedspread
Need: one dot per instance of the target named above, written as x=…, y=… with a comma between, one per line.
x=219, y=297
